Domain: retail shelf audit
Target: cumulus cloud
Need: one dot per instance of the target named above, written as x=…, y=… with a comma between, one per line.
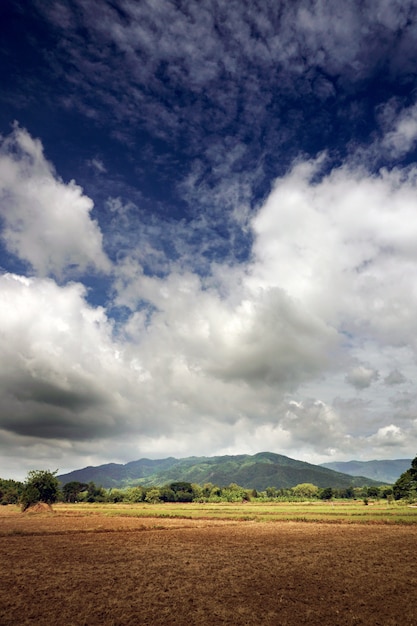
x=45, y=221
x=362, y=377
x=221, y=362
x=388, y=436
x=60, y=368
x=340, y=245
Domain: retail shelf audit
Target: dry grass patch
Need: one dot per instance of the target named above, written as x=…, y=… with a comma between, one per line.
x=90, y=569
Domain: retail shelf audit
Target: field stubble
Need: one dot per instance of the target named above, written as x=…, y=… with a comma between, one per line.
x=82, y=567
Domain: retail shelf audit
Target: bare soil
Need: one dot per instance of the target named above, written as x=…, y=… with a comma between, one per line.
x=77, y=570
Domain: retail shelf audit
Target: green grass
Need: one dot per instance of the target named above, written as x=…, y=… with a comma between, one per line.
x=337, y=512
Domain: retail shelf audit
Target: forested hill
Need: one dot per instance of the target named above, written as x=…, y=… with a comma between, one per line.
x=386, y=471
x=259, y=471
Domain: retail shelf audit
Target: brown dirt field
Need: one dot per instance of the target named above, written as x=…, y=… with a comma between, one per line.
x=62, y=569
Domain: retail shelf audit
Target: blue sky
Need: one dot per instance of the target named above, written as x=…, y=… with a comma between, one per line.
x=208, y=230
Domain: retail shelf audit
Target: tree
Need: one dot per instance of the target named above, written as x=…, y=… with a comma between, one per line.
x=271, y=492
x=166, y=494
x=136, y=494
x=94, y=493
x=326, y=493
x=374, y=492
x=115, y=495
x=72, y=490
x=10, y=491
x=183, y=491
x=40, y=486
x=152, y=495
x=234, y=493
x=305, y=490
x=406, y=485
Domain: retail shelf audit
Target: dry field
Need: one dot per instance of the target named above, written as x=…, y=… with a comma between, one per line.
x=74, y=568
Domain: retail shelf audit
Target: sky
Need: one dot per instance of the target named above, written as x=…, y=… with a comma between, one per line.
x=208, y=230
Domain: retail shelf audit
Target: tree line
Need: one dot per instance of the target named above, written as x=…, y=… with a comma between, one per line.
x=44, y=486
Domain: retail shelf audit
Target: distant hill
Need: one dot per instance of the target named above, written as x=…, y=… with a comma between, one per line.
x=259, y=471
x=385, y=471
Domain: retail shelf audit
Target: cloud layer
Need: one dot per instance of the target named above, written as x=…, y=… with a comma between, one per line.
x=208, y=229
x=285, y=349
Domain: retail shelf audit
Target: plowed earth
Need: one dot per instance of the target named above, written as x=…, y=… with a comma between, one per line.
x=87, y=570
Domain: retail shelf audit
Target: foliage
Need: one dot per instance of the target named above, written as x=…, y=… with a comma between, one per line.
x=305, y=490
x=406, y=485
x=115, y=495
x=10, y=491
x=40, y=486
x=326, y=494
x=94, y=493
x=73, y=490
x=134, y=494
x=153, y=496
x=183, y=491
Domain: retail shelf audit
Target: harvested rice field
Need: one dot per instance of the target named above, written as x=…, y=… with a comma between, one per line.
x=74, y=568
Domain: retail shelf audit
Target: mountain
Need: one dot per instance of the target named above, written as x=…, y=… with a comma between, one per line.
x=259, y=471
x=385, y=471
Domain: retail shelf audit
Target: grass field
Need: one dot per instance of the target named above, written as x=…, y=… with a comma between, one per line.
x=238, y=564
x=316, y=511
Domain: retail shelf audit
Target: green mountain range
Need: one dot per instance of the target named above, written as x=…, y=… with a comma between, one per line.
x=386, y=471
x=258, y=471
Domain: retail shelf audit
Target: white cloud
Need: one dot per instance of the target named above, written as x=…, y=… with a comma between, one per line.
x=45, y=221
x=400, y=129
x=362, y=377
x=390, y=435
x=60, y=375
x=224, y=363
x=343, y=247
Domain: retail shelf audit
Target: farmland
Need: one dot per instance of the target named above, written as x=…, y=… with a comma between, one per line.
x=251, y=564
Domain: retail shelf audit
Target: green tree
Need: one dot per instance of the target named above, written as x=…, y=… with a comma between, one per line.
x=374, y=492
x=326, y=493
x=198, y=495
x=305, y=490
x=10, y=491
x=234, y=493
x=206, y=490
x=94, y=493
x=166, y=494
x=406, y=485
x=115, y=495
x=271, y=492
x=136, y=494
x=40, y=486
x=183, y=491
x=152, y=495
x=72, y=490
